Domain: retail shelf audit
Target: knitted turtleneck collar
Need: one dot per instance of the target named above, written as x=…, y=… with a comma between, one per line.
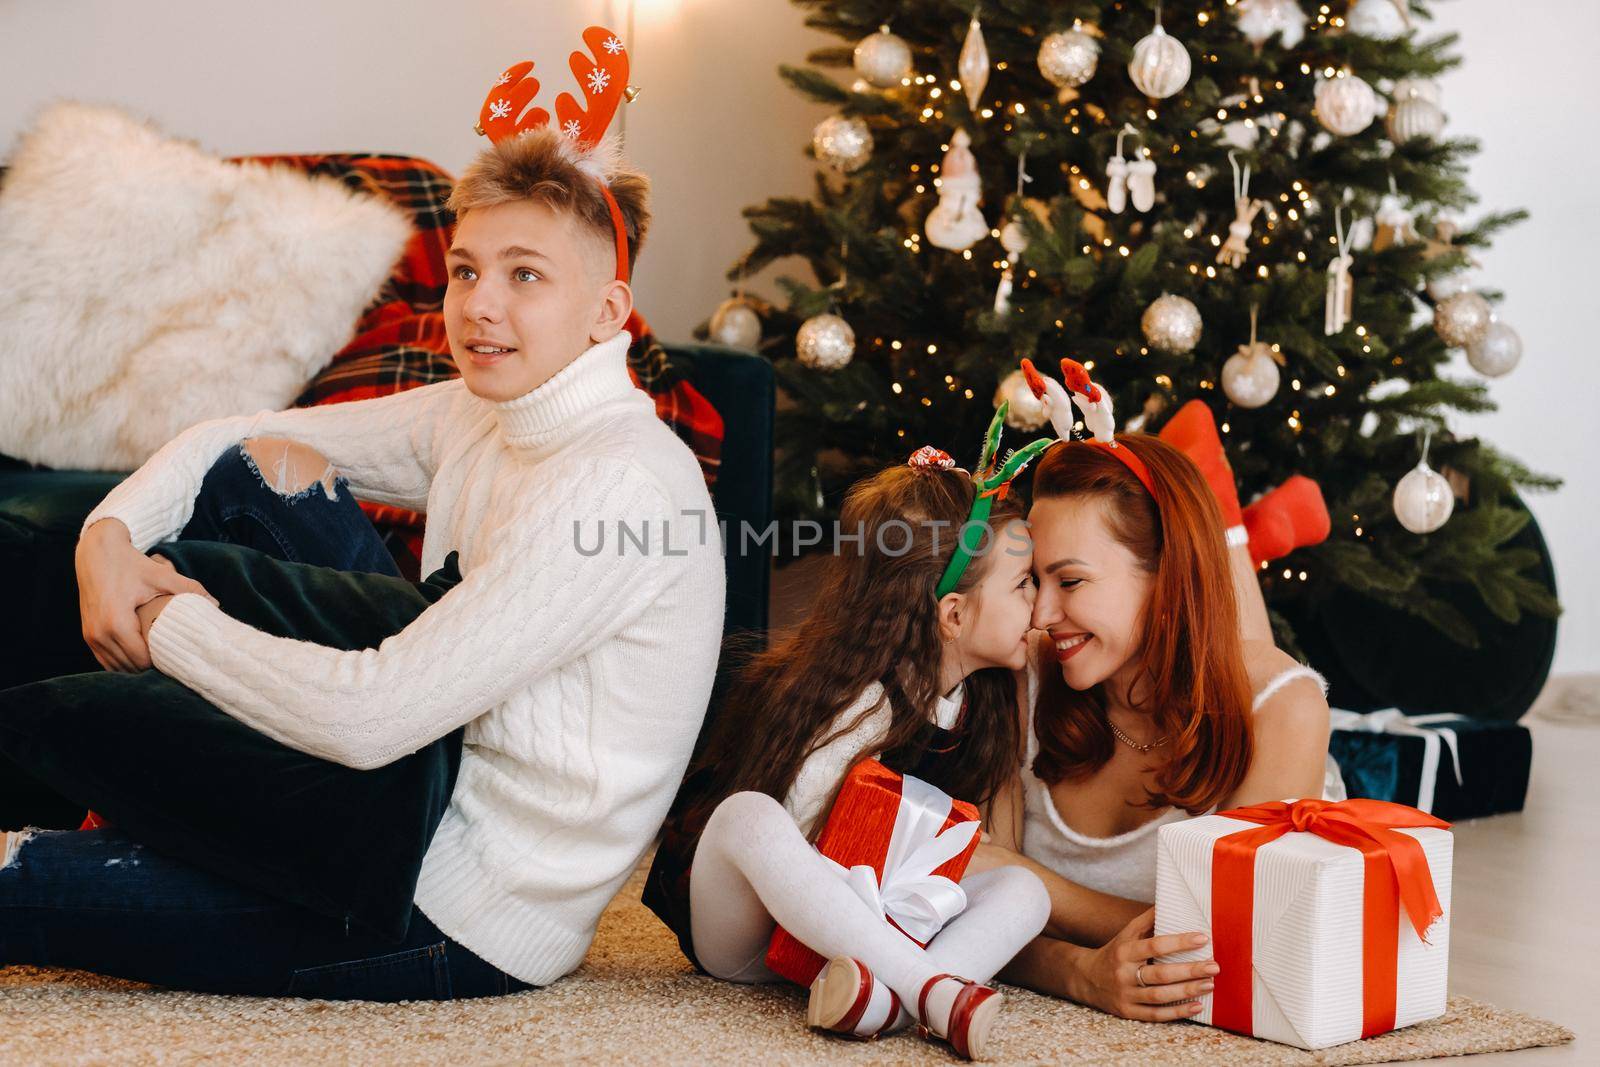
x=546, y=414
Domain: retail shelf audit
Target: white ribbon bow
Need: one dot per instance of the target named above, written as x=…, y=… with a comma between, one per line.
x=1395, y=721
x=918, y=901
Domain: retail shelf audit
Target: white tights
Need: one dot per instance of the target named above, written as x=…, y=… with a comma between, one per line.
x=753, y=868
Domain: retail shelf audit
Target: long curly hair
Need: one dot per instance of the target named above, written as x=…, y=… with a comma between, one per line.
x=1199, y=690
x=874, y=618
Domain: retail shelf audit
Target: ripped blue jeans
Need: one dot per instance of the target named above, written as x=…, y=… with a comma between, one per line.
x=237, y=506
x=100, y=901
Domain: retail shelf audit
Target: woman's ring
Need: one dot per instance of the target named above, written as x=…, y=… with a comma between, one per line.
x=1138, y=975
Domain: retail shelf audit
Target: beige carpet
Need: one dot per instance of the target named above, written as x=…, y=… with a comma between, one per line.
x=635, y=1001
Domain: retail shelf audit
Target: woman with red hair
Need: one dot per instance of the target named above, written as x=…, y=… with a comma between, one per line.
x=1144, y=705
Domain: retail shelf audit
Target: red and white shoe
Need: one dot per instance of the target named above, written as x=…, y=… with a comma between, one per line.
x=1291, y=516
x=1193, y=431
x=971, y=1014
x=848, y=1001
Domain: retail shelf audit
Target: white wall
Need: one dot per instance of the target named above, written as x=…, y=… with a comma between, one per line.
x=1520, y=91
x=715, y=127
x=717, y=130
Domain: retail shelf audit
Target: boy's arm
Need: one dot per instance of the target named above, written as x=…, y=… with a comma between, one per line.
x=540, y=601
x=384, y=447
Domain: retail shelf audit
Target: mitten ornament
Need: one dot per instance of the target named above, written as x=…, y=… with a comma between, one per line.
x=1116, y=185
x=1142, y=183
x=1125, y=177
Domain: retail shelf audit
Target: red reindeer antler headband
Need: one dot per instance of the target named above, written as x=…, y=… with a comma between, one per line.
x=506, y=114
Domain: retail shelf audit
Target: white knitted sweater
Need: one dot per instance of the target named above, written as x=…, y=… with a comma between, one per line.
x=582, y=676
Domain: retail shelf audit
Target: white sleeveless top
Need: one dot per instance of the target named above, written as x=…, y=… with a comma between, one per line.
x=1123, y=865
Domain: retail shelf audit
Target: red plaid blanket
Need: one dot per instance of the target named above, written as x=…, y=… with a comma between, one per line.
x=400, y=341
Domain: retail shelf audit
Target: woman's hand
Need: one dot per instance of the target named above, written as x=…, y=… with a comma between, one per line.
x=114, y=581
x=1120, y=979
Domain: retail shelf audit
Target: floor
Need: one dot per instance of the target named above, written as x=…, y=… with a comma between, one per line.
x=1525, y=933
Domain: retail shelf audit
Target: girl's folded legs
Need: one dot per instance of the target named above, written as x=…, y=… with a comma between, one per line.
x=754, y=868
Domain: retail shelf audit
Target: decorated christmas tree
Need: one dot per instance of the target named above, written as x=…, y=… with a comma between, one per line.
x=1255, y=203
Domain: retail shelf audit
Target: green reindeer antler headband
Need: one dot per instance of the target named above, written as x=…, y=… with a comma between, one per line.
x=991, y=483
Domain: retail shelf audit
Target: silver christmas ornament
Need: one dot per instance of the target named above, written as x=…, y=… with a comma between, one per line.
x=735, y=324
x=825, y=342
x=842, y=142
x=1025, y=411
x=1382, y=20
x=1250, y=377
x=972, y=66
x=882, y=59
x=1423, y=500
x=1497, y=352
x=1346, y=105
x=1171, y=323
x=1069, y=58
x=1160, y=64
x=1260, y=19
x=1462, y=319
x=1414, y=116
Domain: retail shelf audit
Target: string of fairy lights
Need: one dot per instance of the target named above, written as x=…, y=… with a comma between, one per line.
x=1286, y=235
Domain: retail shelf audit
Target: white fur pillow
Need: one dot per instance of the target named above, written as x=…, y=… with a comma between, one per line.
x=146, y=286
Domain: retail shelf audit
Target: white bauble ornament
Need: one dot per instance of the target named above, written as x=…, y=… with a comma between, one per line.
x=1406, y=88
x=1382, y=20
x=1160, y=64
x=1346, y=105
x=1414, y=116
x=1462, y=319
x=1423, y=500
x=1025, y=411
x=842, y=142
x=1497, y=352
x=736, y=324
x=1014, y=238
x=1260, y=19
x=882, y=58
x=1069, y=58
x=972, y=66
x=1171, y=323
x=825, y=342
x=1250, y=376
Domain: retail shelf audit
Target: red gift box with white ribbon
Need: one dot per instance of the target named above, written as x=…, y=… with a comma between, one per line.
x=902, y=845
x=1329, y=922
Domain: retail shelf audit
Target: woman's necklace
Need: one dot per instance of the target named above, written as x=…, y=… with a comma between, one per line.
x=1131, y=743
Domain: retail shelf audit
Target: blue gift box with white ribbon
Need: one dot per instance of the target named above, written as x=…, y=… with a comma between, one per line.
x=1449, y=765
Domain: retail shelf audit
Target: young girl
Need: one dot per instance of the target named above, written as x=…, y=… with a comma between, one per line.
x=1144, y=706
x=907, y=656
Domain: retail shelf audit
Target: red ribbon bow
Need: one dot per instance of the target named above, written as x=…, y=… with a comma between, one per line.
x=1396, y=873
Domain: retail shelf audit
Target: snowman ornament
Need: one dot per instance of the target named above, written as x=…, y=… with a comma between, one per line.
x=955, y=223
